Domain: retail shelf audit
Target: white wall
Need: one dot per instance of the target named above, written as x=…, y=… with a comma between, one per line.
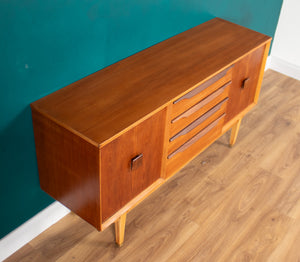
x=285, y=53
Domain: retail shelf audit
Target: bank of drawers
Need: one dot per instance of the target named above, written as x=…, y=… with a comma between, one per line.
x=197, y=119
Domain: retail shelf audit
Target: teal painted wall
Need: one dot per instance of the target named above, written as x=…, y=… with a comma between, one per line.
x=46, y=45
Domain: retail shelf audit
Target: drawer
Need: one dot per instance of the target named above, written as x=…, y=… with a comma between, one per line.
x=200, y=123
x=191, y=148
x=131, y=163
x=194, y=112
x=198, y=93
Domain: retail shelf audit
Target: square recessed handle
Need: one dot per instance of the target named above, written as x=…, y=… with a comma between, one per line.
x=245, y=83
x=136, y=162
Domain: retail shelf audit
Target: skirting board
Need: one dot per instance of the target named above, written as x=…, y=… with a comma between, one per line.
x=31, y=228
x=284, y=67
x=268, y=62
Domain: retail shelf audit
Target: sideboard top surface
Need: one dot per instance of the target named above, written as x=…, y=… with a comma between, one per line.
x=105, y=103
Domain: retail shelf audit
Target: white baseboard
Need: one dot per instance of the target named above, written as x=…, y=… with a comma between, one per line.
x=268, y=62
x=284, y=67
x=31, y=228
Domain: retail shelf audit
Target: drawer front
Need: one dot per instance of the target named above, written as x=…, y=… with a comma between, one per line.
x=196, y=126
x=191, y=114
x=131, y=163
x=245, y=75
x=183, y=154
x=198, y=93
x=197, y=119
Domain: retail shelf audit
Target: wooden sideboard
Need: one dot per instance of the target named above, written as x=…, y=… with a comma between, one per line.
x=107, y=141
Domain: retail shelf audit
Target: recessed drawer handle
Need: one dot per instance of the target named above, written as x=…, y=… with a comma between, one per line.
x=203, y=86
x=245, y=82
x=199, y=120
x=202, y=103
x=195, y=138
x=136, y=162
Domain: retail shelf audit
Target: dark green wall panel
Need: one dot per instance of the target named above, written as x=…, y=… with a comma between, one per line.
x=45, y=45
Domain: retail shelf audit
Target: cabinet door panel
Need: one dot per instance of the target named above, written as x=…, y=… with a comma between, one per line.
x=244, y=82
x=131, y=163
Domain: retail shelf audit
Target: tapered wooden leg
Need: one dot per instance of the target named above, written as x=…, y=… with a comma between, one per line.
x=234, y=132
x=120, y=230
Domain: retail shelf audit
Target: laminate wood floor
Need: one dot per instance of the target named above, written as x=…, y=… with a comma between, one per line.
x=228, y=204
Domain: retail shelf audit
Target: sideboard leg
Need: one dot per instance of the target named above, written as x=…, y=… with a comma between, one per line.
x=120, y=229
x=234, y=132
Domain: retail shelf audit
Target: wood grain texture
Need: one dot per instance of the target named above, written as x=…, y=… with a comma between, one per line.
x=197, y=137
x=228, y=204
x=200, y=88
x=166, y=141
x=119, y=183
x=202, y=103
x=195, y=147
x=228, y=125
x=68, y=168
x=234, y=132
x=139, y=85
x=262, y=71
x=197, y=126
x=133, y=203
x=199, y=100
x=200, y=120
x=197, y=111
x=242, y=94
x=120, y=230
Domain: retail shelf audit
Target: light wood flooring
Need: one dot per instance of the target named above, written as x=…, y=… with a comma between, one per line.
x=228, y=204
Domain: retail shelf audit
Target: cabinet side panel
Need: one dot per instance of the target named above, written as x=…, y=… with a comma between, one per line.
x=68, y=168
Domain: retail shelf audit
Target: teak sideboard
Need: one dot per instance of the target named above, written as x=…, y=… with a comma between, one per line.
x=107, y=141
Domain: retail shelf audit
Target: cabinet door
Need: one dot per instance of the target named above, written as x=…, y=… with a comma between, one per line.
x=131, y=163
x=244, y=82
